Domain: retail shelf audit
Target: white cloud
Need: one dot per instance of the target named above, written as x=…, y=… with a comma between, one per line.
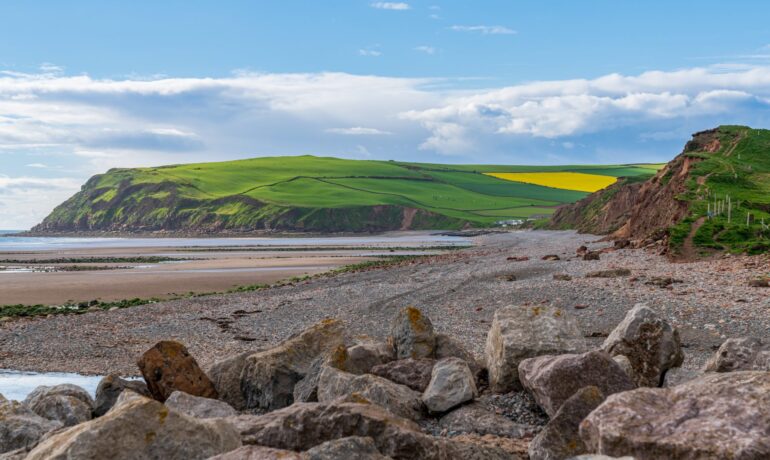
x=391, y=6
x=91, y=124
x=426, y=49
x=486, y=30
x=358, y=131
x=37, y=165
x=369, y=52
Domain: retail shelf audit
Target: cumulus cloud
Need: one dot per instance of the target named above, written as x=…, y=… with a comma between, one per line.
x=357, y=131
x=87, y=125
x=426, y=49
x=486, y=30
x=391, y=6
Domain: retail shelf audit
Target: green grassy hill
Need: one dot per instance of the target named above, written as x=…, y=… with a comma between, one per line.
x=307, y=193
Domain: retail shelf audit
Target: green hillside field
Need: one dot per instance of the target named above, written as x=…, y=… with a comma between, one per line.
x=312, y=193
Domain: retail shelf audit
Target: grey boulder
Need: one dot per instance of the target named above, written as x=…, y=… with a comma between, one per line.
x=198, y=407
x=554, y=379
x=448, y=347
x=451, y=384
x=398, y=399
x=743, y=354
x=521, y=332
x=411, y=334
x=140, y=428
x=718, y=415
x=268, y=377
x=560, y=438
x=649, y=342
x=110, y=387
x=20, y=428
x=66, y=403
x=259, y=453
x=226, y=377
x=350, y=448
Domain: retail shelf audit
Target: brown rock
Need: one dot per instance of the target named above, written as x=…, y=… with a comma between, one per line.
x=591, y=255
x=551, y=257
x=475, y=418
x=414, y=373
x=226, y=377
x=168, y=367
x=110, y=387
x=260, y=453
x=611, y=273
x=743, y=354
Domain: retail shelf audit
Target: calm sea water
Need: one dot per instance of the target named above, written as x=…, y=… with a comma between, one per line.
x=16, y=385
x=13, y=243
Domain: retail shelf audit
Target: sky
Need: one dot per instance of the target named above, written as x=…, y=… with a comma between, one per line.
x=90, y=85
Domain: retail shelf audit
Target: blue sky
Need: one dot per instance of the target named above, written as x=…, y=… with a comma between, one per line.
x=90, y=85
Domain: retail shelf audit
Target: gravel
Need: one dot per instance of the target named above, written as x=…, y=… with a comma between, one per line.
x=459, y=291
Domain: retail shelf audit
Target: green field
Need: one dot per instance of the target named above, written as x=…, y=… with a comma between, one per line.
x=312, y=193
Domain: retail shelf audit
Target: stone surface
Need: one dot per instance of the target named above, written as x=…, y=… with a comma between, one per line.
x=719, y=415
x=195, y=406
x=649, y=342
x=561, y=437
x=361, y=357
x=521, y=332
x=168, y=367
x=269, y=377
x=306, y=389
x=475, y=418
x=448, y=347
x=398, y=399
x=110, y=387
x=66, y=403
x=260, y=453
x=411, y=334
x=226, y=377
x=625, y=364
x=554, y=379
x=742, y=354
x=451, y=384
x=20, y=427
x=139, y=427
x=303, y=426
x=350, y=448
x=414, y=373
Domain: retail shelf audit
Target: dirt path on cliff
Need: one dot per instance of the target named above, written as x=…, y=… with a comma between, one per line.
x=689, y=251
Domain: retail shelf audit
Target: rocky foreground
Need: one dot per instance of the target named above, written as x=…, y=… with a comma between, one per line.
x=322, y=394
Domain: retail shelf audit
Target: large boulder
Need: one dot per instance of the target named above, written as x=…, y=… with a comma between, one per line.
x=21, y=428
x=226, y=377
x=350, y=448
x=649, y=342
x=414, y=373
x=520, y=332
x=110, y=387
x=719, y=415
x=398, y=399
x=451, y=384
x=554, y=379
x=268, y=377
x=66, y=403
x=303, y=426
x=743, y=354
x=168, y=367
x=260, y=453
x=560, y=438
x=195, y=406
x=448, y=347
x=357, y=359
x=476, y=418
x=411, y=334
x=139, y=427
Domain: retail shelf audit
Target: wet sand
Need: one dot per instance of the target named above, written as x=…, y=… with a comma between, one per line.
x=198, y=270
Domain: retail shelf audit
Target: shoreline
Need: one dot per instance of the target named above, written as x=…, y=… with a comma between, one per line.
x=250, y=234
x=459, y=291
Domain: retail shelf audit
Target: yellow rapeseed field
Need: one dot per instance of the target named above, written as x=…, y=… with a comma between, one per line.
x=563, y=180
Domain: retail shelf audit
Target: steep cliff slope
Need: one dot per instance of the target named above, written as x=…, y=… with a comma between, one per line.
x=712, y=196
